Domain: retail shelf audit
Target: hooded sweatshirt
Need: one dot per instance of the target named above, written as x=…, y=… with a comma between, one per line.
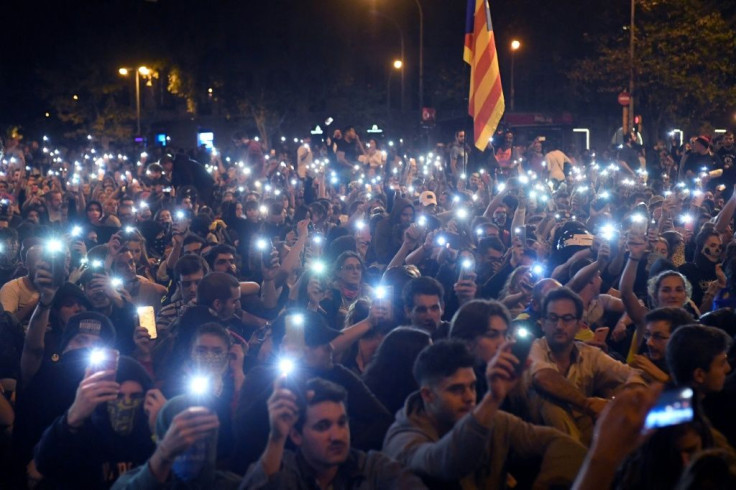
x=208, y=477
x=473, y=456
x=94, y=456
x=389, y=232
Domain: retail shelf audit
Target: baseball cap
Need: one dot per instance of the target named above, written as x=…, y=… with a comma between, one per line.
x=90, y=323
x=428, y=198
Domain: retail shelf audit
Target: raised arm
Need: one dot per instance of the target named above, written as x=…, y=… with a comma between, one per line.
x=33, y=345
x=726, y=215
x=636, y=311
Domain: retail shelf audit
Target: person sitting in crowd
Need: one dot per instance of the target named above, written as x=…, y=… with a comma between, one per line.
x=321, y=432
x=572, y=380
x=449, y=438
x=104, y=433
x=311, y=353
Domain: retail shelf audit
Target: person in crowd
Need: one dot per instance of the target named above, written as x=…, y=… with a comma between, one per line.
x=49, y=390
x=321, y=432
x=188, y=271
x=424, y=306
x=696, y=357
x=348, y=286
x=450, y=439
x=310, y=354
x=104, y=433
x=186, y=451
x=20, y=296
x=389, y=375
x=572, y=380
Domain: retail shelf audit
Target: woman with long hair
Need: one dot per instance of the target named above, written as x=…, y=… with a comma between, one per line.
x=517, y=291
x=347, y=287
x=389, y=375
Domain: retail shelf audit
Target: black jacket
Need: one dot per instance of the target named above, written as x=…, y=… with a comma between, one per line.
x=94, y=456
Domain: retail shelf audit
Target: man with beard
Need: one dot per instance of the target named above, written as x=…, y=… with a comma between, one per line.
x=661, y=323
x=571, y=378
x=51, y=390
x=321, y=433
x=103, y=434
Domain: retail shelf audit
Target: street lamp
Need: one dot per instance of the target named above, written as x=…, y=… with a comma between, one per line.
x=515, y=45
x=403, y=56
x=142, y=70
x=397, y=65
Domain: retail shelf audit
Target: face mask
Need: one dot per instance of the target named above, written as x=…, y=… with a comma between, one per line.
x=210, y=361
x=122, y=414
x=187, y=466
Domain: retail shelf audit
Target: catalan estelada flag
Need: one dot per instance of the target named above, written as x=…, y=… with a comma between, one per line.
x=486, y=96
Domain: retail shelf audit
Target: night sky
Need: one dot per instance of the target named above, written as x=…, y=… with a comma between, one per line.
x=310, y=47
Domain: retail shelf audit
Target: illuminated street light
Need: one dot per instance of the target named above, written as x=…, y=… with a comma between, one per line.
x=398, y=64
x=515, y=45
x=144, y=71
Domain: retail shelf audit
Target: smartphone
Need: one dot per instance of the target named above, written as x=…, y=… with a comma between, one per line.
x=673, y=407
x=523, y=339
x=104, y=360
x=520, y=233
x=294, y=336
x=467, y=269
x=147, y=320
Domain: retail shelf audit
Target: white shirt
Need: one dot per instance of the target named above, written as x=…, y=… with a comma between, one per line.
x=15, y=295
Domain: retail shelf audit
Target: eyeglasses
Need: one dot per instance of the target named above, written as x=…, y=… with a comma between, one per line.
x=566, y=319
x=657, y=337
x=351, y=268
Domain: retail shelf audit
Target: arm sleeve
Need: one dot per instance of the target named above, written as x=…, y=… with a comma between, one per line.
x=560, y=455
x=458, y=453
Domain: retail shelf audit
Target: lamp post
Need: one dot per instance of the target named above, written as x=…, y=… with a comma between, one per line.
x=403, y=54
x=142, y=70
x=515, y=45
x=396, y=65
x=421, y=54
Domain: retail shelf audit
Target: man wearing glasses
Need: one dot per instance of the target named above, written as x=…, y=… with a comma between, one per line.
x=572, y=381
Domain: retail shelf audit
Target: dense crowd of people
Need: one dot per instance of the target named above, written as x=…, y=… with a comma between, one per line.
x=347, y=314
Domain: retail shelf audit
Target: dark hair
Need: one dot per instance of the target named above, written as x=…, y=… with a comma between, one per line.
x=441, y=360
x=324, y=391
x=189, y=264
x=676, y=317
x=490, y=242
x=389, y=375
x=215, y=329
x=211, y=256
x=422, y=285
x=471, y=320
x=691, y=347
x=349, y=254
x=215, y=285
x=702, y=237
x=192, y=238
x=564, y=294
x=714, y=469
x=723, y=318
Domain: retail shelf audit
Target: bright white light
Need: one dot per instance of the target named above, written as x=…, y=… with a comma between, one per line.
x=199, y=385
x=97, y=357
x=286, y=366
